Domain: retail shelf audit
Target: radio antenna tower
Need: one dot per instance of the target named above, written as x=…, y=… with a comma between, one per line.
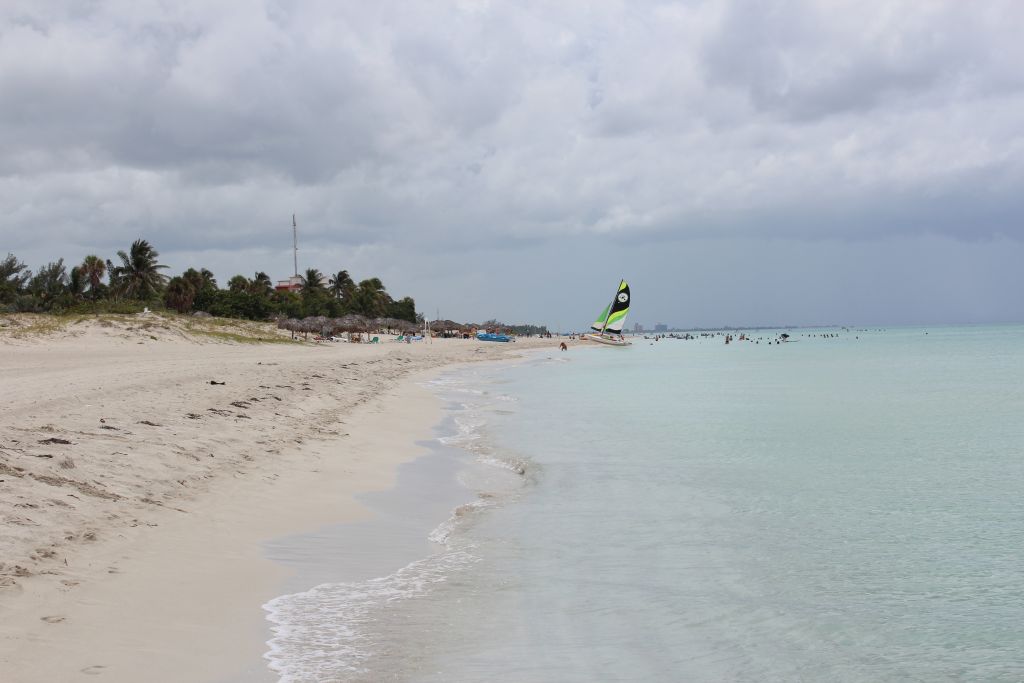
x=295, y=244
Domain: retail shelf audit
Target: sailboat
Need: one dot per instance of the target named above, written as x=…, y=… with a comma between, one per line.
x=608, y=326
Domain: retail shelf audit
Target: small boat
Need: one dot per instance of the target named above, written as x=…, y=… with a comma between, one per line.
x=608, y=326
x=492, y=336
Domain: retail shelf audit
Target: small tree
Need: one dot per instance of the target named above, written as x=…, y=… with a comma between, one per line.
x=76, y=283
x=48, y=284
x=238, y=284
x=204, y=287
x=403, y=309
x=13, y=277
x=179, y=294
x=261, y=285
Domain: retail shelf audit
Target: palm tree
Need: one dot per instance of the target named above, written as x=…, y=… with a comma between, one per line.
x=200, y=280
x=13, y=277
x=179, y=294
x=239, y=283
x=261, y=285
x=310, y=282
x=76, y=282
x=138, y=276
x=93, y=269
x=342, y=286
x=49, y=283
x=371, y=299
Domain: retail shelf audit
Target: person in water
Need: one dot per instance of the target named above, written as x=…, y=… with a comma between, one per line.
x=563, y=347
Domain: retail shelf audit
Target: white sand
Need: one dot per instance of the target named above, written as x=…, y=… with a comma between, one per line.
x=133, y=552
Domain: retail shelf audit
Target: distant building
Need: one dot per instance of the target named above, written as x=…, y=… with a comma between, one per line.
x=637, y=328
x=292, y=284
x=661, y=327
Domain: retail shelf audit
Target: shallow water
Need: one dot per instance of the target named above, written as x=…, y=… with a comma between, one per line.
x=844, y=509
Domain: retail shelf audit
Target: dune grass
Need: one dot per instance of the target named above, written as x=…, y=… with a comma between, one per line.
x=153, y=325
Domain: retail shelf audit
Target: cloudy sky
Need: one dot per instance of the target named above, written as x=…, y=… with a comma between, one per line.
x=747, y=162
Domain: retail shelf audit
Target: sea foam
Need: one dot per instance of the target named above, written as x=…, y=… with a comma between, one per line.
x=331, y=631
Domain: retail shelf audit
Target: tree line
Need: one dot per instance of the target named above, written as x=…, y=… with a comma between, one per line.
x=520, y=330
x=135, y=279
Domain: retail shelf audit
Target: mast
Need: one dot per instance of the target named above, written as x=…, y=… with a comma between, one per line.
x=295, y=244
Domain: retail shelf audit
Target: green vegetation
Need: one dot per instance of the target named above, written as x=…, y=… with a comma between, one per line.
x=135, y=281
x=521, y=330
x=164, y=324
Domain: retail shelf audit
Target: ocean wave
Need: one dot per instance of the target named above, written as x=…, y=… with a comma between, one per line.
x=512, y=464
x=327, y=632
x=468, y=428
x=334, y=630
x=445, y=529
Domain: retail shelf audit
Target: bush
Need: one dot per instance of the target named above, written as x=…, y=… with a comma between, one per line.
x=125, y=307
x=26, y=303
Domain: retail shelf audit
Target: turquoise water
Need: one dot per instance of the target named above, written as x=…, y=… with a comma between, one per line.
x=843, y=509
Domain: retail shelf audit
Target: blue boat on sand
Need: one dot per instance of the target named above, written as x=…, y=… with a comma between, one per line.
x=491, y=336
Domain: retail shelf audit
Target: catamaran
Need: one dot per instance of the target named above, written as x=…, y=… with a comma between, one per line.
x=608, y=326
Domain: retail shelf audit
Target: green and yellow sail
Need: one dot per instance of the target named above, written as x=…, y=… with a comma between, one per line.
x=613, y=317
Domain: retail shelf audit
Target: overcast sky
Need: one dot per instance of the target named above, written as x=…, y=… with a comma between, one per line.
x=738, y=162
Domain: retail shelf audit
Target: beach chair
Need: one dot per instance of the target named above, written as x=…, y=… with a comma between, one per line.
x=375, y=340
x=400, y=338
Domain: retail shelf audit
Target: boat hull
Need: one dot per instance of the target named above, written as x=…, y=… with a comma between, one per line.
x=608, y=341
x=491, y=337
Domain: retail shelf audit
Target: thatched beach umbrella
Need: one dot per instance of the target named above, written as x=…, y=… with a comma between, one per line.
x=352, y=323
x=323, y=325
x=389, y=324
x=395, y=324
x=290, y=324
x=445, y=326
x=307, y=325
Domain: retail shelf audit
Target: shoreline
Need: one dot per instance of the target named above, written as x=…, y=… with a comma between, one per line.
x=347, y=617
x=148, y=600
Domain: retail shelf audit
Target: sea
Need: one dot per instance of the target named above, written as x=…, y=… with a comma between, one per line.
x=846, y=506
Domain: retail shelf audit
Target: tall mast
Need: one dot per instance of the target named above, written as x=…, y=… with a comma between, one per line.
x=295, y=244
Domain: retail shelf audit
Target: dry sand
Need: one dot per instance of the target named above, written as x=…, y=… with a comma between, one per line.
x=135, y=493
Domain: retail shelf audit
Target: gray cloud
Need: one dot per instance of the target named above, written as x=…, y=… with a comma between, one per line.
x=420, y=130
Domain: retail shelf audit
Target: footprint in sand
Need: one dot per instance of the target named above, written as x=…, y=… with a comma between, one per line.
x=53, y=619
x=94, y=670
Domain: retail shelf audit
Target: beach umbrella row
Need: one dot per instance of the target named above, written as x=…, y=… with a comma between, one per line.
x=323, y=325
x=356, y=323
x=446, y=326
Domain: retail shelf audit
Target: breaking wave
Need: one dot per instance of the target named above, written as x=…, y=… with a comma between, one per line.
x=332, y=631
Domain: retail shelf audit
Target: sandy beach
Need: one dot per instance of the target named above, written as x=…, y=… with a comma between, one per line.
x=143, y=460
